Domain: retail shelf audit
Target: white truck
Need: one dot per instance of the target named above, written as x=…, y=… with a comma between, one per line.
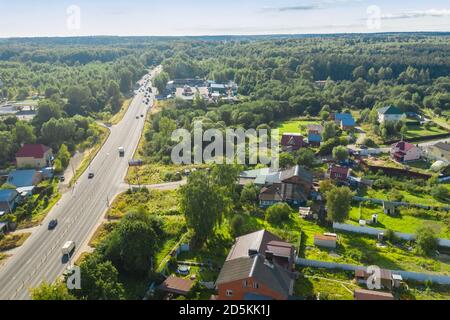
x=68, y=247
x=121, y=152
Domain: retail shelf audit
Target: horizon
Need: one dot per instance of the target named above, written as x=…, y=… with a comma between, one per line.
x=140, y=18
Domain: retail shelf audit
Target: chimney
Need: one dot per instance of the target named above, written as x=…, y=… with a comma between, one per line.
x=269, y=256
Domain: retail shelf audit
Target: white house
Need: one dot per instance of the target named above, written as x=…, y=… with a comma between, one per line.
x=403, y=151
x=390, y=114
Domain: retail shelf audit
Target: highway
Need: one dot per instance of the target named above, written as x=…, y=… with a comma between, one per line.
x=79, y=211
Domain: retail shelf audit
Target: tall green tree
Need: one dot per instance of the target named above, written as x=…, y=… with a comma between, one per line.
x=339, y=203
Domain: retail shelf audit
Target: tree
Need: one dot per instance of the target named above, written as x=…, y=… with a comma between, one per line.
x=329, y=131
x=56, y=291
x=440, y=192
x=160, y=82
x=63, y=156
x=250, y=194
x=47, y=110
x=126, y=80
x=325, y=186
x=426, y=241
x=23, y=133
x=203, y=205
x=6, y=146
x=278, y=213
x=286, y=160
x=340, y=153
x=131, y=246
x=99, y=280
x=237, y=225
x=339, y=203
x=305, y=157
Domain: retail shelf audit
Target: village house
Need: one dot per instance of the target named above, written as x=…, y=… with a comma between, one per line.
x=390, y=114
x=338, y=172
x=314, y=134
x=34, y=156
x=439, y=152
x=259, y=266
x=387, y=280
x=24, y=178
x=292, y=142
x=9, y=199
x=403, y=151
x=345, y=121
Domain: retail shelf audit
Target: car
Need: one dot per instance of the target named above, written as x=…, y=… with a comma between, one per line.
x=137, y=117
x=62, y=179
x=142, y=115
x=52, y=224
x=90, y=175
x=363, y=147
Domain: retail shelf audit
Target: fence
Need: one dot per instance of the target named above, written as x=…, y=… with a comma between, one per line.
x=375, y=232
x=406, y=275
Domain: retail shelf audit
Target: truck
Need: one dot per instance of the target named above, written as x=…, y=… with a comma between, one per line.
x=67, y=248
x=121, y=152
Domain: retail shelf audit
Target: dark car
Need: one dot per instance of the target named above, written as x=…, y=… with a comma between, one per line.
x=52, y=224
x=62, y=179
x=142, y=115
x=91, y=175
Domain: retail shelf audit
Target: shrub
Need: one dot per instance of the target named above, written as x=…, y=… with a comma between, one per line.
x=278, y=213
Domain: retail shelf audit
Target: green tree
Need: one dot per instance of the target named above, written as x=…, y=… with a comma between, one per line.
x=54, y=292
x=160, y=81
x=339, y=203
x=63, y=156
x=305, y=157
x=250, y=194
x=440, y=192
x=286, y=160
x=99, y=280
x=237, y=225
x=6, y=146
x=329, y=131
x=278, y=213
x=203, y=205
x=23, y=133
x=426, y=241
x=340, y=153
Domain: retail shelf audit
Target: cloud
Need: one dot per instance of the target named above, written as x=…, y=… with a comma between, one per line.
x=434, y=13
x=314, y=5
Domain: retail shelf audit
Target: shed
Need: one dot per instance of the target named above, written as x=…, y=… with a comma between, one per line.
x=326, y=240
x=363, y=294
x=177, y=285
x=389, y=208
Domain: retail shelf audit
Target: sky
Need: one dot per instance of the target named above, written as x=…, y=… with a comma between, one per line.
x=31, y=18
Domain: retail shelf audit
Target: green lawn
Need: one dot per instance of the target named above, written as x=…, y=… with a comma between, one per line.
x=295, y=126
x=416, y=198
x=415, y=131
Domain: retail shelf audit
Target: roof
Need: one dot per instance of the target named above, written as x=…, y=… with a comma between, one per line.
x=348, y=122
x=384, y=274
x=325, y=238
x=315, y=127
x=273, y=276
x=256, y=241
x=292, y=140
x=177, y=285
x=314, y=137
x=283, y=192
x=265, y=176
x=362, y=294
x=36, y=151
x=21, y=178
x=403, y=146
x=443, y=146
x=390, y=110
x=296, y=171
x=7, y=195
x=339, y=170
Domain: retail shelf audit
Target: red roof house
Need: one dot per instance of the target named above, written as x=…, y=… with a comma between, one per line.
x=34, y=156
x=339, y=173
x=403, y=151
x=292, y=141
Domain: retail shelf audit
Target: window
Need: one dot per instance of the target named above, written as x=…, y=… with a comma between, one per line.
x=244, y=284
x=229, y=293
x=255, y=285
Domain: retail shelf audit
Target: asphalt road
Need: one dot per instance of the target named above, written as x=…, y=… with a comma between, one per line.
x=78, y=212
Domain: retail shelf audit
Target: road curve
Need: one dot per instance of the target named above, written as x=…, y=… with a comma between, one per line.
x=78, y=212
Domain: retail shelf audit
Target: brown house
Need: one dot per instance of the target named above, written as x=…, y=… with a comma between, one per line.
x=339, y=173
x=259, y=266
x=292, y=142
x=364, y=295
x=386, y=279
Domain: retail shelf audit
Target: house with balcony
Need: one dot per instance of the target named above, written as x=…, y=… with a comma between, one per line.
x=403, y=152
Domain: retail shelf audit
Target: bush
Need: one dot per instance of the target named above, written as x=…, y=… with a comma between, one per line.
x=278, y=213
x=237, y=225
x=440, y=192
x=426, y=241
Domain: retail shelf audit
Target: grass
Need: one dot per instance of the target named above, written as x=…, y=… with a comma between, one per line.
x=423, y=292
x=12, y=241
x=101, y=233
x=414, y=198
x=403, y=222
x=415, y=131
x=154, y=201
x=90, y=154
x=116, y=118
x=326, y=284
x=154, y=173
x=3, y=258
x=295, y=126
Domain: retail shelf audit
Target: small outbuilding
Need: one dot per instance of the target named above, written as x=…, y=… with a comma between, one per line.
x=363, y=294
x=177, y=285
x=327, y=240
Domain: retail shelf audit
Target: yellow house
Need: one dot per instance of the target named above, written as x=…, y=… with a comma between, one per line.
x=34, y=156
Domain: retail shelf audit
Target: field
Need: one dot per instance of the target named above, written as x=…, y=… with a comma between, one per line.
x=295, y=126
x=416, y=131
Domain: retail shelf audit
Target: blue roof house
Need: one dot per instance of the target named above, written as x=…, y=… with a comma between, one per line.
x=24, y=178
x=345, y=121
x=9, y=199
x=314, y=139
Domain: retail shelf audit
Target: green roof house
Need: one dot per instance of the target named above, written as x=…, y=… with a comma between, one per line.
x=390, y=114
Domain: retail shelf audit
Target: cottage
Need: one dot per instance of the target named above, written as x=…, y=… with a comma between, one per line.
x=34, y=156
x=314, y=139
x=338, y=172
x=24, y=178
x=390, y=114
x=363, y=294
x=439, y=151
x=315, y=128
x=9, y=199
x=403, y=151
x=259, y=266
x=292, y=142
x=389, y=208
x=327, y=240
x=345, y=121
